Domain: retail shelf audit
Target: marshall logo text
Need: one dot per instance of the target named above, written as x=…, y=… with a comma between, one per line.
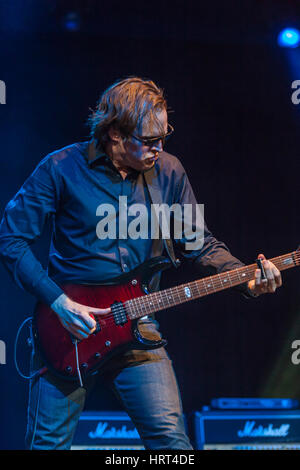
x=104, y=432
x=260, y=431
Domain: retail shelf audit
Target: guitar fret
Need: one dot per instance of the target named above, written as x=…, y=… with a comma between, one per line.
x=156, y=301
x=204, y=284
x=238, y=273
x=135, y=308
x=194, y=290
x=197, y=287
x=211, y=284
x=224, y=279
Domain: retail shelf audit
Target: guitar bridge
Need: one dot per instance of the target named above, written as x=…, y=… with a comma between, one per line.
x=119, y=313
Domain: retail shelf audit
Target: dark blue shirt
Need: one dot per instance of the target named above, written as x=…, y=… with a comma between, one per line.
x=69, y=186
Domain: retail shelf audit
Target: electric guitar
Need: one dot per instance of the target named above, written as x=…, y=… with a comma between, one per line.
x=129, y=300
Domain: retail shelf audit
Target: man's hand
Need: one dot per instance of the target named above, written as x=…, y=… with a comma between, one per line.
x=76, y=318
x=273, y=279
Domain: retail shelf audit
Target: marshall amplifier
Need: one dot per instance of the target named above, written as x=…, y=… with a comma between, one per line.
x=106, y=430
x=247, y=430
x=254, y=403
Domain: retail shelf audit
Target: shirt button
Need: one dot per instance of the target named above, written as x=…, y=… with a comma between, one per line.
x=125, y=266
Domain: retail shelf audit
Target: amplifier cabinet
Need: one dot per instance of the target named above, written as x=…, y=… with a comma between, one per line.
x=106, y=430
x=247, y=430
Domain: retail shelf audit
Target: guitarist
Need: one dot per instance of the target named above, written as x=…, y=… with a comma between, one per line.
x=128, y=130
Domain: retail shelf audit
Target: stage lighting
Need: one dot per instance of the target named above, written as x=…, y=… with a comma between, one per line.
x=71, y=22
x=289, y=37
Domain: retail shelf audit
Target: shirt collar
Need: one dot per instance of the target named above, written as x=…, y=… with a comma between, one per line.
x=95, y=156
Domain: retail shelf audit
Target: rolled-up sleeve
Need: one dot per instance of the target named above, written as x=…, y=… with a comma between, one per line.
x=23, y=221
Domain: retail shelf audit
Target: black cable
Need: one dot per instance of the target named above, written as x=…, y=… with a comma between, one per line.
x=27, y=377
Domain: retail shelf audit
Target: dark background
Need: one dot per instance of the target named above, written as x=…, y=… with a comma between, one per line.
x=229, y=86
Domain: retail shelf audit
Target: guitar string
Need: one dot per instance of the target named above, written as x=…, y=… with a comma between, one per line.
x=170, y=294
x=176, y=294
x=137, y=312
x=216, y=287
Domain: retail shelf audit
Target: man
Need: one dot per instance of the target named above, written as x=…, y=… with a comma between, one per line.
x=128, y=131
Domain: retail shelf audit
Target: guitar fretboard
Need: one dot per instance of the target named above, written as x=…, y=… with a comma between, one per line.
x=173, y=296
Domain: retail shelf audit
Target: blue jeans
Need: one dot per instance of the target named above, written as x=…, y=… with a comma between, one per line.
x=145, y=383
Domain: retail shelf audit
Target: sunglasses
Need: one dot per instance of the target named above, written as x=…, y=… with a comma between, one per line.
x=152, y=141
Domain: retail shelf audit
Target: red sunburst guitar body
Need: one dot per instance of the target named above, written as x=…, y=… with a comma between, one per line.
x=115, y=332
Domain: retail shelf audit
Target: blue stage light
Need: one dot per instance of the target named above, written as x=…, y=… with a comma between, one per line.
x=289, y=37
x=71, y=22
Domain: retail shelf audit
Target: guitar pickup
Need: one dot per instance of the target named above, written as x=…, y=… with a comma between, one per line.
x=119, y=313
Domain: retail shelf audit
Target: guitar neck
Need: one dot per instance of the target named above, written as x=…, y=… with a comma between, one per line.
x=161, y=300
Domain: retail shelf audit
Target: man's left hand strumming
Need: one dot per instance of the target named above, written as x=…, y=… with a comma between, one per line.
x=269, y=284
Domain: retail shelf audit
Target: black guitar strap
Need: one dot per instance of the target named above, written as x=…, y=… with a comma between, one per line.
x=151, y=181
